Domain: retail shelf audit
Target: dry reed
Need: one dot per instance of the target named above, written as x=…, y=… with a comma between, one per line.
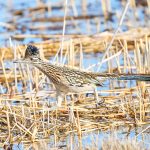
x=28, y=116
x=27, y=96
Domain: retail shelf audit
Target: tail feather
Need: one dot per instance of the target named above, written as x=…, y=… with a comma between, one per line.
x=139, y=77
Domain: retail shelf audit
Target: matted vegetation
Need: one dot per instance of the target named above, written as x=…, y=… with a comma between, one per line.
x=27, y=96
x=29, y=116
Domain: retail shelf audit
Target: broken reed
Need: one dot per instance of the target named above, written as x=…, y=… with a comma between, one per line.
x=94, y=43
x=26, y=115
x=40, y=23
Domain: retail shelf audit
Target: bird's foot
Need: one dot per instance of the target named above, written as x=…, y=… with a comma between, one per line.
x=55, y=107
x=72, y=102
x=100, y=102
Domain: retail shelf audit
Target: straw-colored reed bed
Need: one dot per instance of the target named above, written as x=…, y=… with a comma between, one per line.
x=26, y=112
x=95, y=16
x=134, y=38
x=34, y=119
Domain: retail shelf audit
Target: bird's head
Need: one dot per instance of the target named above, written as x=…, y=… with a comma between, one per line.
x=32, y=53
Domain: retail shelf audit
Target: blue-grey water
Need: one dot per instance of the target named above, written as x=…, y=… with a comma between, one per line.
x=94, y=7
x=23, y=23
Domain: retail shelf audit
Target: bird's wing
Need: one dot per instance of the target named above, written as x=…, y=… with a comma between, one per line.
x=78, y=78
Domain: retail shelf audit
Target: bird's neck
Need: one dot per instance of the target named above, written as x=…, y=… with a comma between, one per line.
x=48, y=69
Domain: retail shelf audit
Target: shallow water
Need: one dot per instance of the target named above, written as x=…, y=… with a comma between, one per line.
x=90, y=26
x=96, y=138
x=23, y=23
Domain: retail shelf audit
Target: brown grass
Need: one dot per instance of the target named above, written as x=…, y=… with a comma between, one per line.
x=95, y=43
x=33, y=117
x=27, y=114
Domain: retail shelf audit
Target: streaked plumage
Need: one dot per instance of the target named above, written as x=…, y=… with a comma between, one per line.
x=68, y=80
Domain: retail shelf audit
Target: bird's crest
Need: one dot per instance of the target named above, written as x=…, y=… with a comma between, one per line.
x=32, y=52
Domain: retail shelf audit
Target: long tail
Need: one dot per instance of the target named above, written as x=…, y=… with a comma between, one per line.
x=139, y=77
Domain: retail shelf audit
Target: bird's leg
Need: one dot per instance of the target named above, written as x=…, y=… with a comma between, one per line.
x=80, y=98
x=74, y=98
x=60, y=97
x=99, y=101
x=96, y=96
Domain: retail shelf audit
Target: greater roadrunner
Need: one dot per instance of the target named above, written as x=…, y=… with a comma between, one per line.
x=68, y=80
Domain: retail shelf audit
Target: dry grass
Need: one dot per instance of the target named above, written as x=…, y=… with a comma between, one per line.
x=112, y=142
x=33, y=118
x=89, y=44
x=122, y=144
x=27, y=96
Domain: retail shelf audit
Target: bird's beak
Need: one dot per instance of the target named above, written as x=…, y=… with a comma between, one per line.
x=20, y=61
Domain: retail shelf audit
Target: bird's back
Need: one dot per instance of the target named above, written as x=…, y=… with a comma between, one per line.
x=71, y=79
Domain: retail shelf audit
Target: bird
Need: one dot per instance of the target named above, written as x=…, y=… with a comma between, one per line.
x=69, y=80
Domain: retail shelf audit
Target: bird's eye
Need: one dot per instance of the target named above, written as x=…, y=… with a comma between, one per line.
x=34, y=59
